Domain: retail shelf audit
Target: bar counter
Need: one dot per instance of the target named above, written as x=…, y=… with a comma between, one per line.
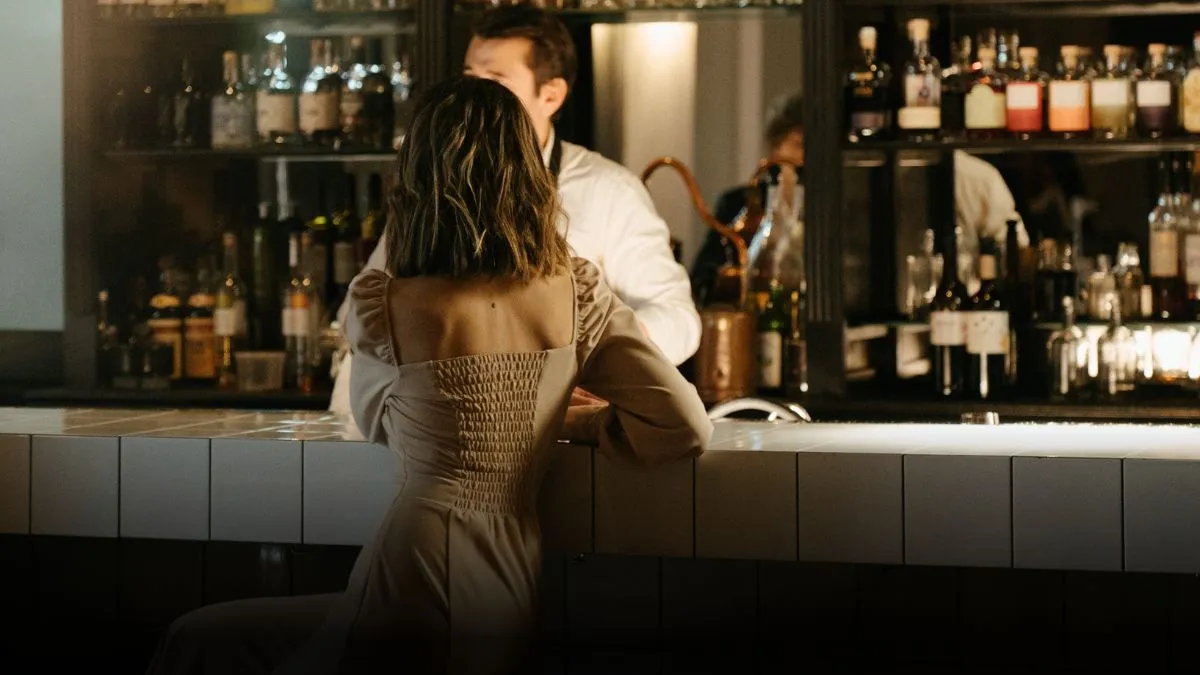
x=1032, y=496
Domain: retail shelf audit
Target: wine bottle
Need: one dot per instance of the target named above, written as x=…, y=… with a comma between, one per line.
x=948, y=327
x=988, y=341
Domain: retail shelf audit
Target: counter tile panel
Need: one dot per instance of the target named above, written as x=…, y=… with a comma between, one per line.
x=1162, y=521
x=165, y=488
x=746, y=505
x=565, y=501
x=850, y=507
x=348, y=488
x=1067, y=513
x=256, y=491
x=74, y=486
x=958, y=510
x=641, y=511
x=14, y=484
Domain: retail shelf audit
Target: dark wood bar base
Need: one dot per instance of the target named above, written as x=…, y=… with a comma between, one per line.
x=95, y=604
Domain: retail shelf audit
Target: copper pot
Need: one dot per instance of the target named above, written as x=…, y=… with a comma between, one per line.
x=726, y=362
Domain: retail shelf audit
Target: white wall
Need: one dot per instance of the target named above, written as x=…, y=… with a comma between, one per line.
x=31, y=156
x=697, y=91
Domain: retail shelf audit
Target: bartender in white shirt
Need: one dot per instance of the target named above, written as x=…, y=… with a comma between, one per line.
x=610, y=218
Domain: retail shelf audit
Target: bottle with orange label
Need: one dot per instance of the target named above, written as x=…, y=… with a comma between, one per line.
x=297, y=316
x=166, y=321
x=1070, y=96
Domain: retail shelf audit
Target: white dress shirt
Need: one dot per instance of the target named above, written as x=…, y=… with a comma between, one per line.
x=611, y=221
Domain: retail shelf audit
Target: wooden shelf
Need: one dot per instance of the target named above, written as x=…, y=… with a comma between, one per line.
x=879, y=153
x=661, y=13
x=372, y=17
x=264, y=153
x=1045, y=8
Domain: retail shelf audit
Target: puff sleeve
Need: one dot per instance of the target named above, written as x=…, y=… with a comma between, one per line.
x=373, y=369
x=654, y=414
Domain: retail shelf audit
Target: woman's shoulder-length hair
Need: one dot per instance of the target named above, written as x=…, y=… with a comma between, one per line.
x=472, y=196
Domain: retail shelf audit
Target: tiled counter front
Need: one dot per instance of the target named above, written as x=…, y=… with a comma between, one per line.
x=1052, y=497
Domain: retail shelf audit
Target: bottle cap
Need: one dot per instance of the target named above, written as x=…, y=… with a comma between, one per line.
x=867, y=37
x=918, y=29
x=987, y=266
x=1028, y=53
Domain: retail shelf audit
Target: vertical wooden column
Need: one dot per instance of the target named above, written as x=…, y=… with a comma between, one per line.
x=433, y=41
x=79, y=253
x=822, y=67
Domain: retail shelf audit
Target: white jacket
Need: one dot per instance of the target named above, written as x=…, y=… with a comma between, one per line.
x=611, y=221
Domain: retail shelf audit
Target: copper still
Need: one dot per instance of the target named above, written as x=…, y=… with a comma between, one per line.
x=726, y=362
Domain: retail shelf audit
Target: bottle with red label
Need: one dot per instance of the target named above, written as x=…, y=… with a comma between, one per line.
x=1026, y=98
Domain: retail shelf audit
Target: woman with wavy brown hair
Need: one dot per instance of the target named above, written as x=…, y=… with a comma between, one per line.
x=466, y=352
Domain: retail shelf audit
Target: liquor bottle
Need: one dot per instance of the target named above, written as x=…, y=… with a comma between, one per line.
x=297, y=319
x=378, y=113
x=1101, y=289
x=772, y=326
x=372, y=223
x=1026, y=98
x=232, y=110
x=1068, y=355
x=190, y=109
x=948, y=327
x=1069, y=96
x=1112, y=97
x=107, y=341
x=1129, y=280
x=795, y=380
x=985, y=106
x=320, y=243
x=1168, y=288
x=345, y=254
x=921, y=116
x=956, y=82
x=866, y=88
x=1190, y=247
x=352, y=102
x=319, y=96
x=1191, y=89
x=229, y=317
x=199, y=338
x=1117, y=357
x=1157, y=109
x=403, y=101
x=276, y=99
x=988, y=344
x=166, y=321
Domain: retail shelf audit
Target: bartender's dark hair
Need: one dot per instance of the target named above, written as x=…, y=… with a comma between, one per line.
x=552, y=53
x=788, y=117
x=472, y=195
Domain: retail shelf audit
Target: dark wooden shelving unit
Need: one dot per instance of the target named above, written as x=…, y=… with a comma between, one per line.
x=263, y=153
x=294, y=17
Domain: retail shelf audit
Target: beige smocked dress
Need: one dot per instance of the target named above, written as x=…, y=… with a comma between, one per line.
x=450, y=582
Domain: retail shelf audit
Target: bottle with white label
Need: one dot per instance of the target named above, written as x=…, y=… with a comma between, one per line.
x=866, y=89
x=229, y=317
x=1168, y=289
x=297, y=319
x=1070, y=96
x=989, y=342
x=772, y=327
x=986, y=108
x=921, y=116
x=319, y=96
x=1112, y=97
x=277, y=96
x=948, y=327
x=1157, y=108
x=232, y=109
x=1190, y=91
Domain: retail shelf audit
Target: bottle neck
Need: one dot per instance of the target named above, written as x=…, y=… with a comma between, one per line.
x=921, y=49
x=231, y=259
